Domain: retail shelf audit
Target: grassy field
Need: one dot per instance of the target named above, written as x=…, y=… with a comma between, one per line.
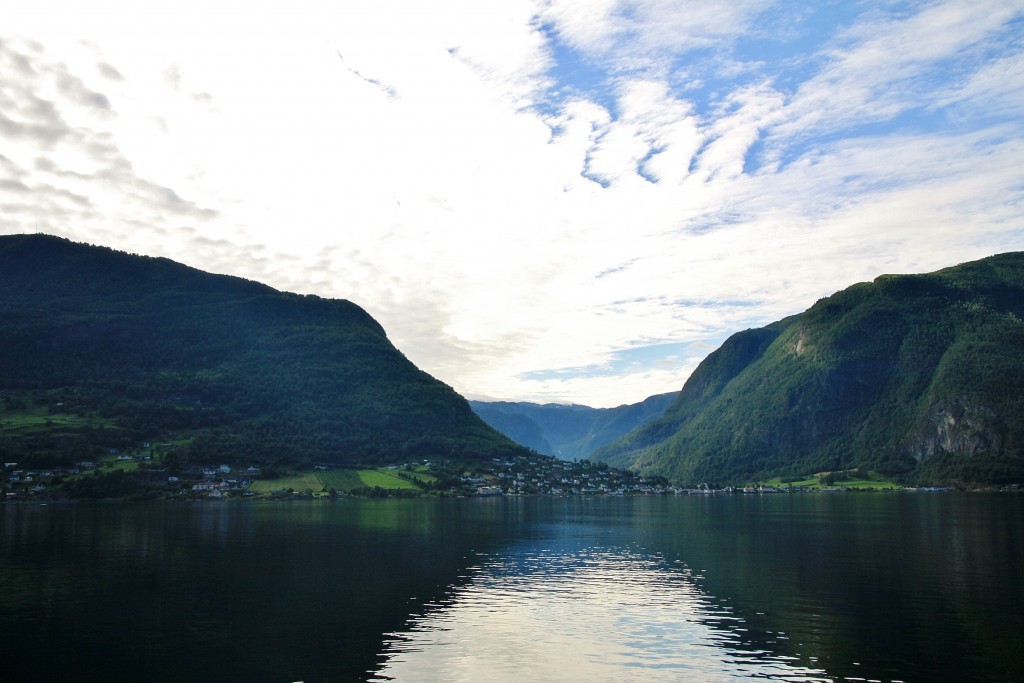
x=108, y=464
x=342, y=480
x=299, y=482
x=875, y=481
x=124, y=465
x=423, y=474
x=385, y=479
x=41, y=421
x=868, y=484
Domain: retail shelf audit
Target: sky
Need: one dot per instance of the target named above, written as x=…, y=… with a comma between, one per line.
x=540, y=200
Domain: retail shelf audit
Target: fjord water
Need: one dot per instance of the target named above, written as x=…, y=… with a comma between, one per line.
x=802, y=587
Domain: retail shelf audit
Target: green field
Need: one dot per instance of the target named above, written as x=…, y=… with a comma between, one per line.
x=41, y=421
x=299, y=482
x=124, y=465
x=874, y=481
x=344, y=480
x=385, y=479
x=423, y=474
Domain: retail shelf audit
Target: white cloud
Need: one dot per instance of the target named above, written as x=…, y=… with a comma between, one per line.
x=748, y=111
x=641, y=33
x=889, y=64
x=654, y=136
x=424, y=161
x=996, y=89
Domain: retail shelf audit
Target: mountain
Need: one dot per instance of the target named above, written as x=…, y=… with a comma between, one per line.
x=916, y=376
x=569, y=432
x=103, y=350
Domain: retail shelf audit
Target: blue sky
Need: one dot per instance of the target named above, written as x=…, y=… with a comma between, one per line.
x=558, y=200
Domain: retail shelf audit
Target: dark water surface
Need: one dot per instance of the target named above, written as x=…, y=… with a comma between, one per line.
x=883, y=587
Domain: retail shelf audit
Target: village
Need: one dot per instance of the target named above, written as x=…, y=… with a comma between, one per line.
x=526, y=476
x=145, y=473
x=154, y=478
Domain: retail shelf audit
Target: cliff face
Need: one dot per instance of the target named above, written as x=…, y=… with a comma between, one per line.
x=961, y=430
x=916, y=376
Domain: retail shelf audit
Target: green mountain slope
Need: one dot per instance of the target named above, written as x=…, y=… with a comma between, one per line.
x=569, y=432
x=918, y=376
x=120, y=349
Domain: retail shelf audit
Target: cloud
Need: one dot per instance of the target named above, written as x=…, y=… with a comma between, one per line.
x=13, y=185
x=109, y=71
x=996, y=90
x=636, y=33
x=67, y=173
x=74, y=89
x=654, y=136
x=535, y=199
x=883, y=66
x=386, y=89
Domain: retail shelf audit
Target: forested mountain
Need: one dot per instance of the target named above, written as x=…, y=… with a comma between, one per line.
x=915, y=376
x=569, y=432
x=115, y=349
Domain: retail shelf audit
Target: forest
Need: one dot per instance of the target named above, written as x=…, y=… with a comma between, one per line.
x=105, y=350
x=917, y=377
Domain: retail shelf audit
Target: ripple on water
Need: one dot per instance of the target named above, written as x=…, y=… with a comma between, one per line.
x=594, y=615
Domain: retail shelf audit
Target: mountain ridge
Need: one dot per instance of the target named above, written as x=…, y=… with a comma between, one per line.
x=568, y=431
x=123, y=348
x=915, y=376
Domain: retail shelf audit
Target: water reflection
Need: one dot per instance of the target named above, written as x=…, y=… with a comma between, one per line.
x=797, y=588
x=874, y=587
x=581, y=614
x=222, y=592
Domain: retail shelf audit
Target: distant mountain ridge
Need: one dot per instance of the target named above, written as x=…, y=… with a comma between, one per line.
x=915, y=376
x=117, y=349
x=568, y=432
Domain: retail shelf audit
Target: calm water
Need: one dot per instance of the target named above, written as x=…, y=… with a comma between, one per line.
x=885, y=587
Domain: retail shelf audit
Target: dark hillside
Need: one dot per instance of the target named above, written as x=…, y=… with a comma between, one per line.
x=233, y=370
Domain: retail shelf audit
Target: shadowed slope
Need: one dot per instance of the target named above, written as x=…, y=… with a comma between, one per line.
x=236, y=369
